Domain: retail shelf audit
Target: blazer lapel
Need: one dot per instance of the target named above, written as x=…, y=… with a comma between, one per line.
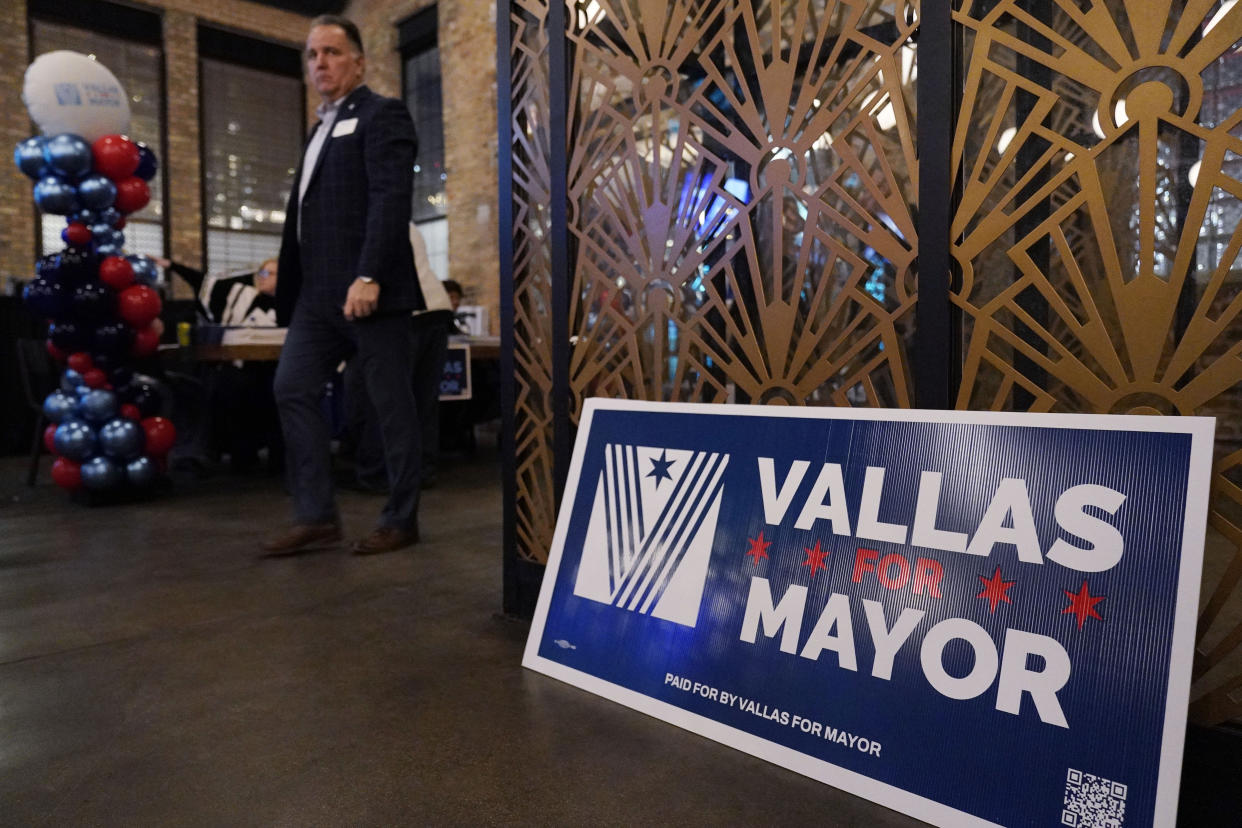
x=347, y=109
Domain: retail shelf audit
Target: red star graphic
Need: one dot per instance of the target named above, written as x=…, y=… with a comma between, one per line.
x=758, y=548
x=1082, y=604
x=995, y=589
x=815, y=558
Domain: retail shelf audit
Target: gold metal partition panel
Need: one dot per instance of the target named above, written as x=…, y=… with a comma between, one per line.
x=1098, y=153
x=740, y=181
x=532, y=289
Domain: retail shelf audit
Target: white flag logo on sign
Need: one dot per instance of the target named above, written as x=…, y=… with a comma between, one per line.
x=649, y=539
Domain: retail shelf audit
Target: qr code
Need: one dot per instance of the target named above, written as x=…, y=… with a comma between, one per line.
x=1093, y=801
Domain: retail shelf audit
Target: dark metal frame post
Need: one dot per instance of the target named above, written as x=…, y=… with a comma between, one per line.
x=936, y=360
x=558, y=143
x=504, y=222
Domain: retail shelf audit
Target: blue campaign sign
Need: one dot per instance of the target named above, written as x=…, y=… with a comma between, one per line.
x=972, y=618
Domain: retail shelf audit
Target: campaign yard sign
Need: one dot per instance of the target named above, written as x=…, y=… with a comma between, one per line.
x=972, y=618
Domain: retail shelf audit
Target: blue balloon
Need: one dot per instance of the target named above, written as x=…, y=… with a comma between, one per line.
x=59, y=406
x=112, y=337
x=106, y=250
x=68, y=155
x=93, y=301
x=74, y=439
x=81, y=391
x=101, y=473
x=29, y=157
x=111, y=216
x=96, y=192
x=146, y=271
x=145, y=393
x=54, y=195
x=70, y=380
x=148, y=164
x=122, y=439
x=66, y=335
x=46, y=298
x=87, y=217
x=104, y=362
x=98, y=406
x=142, y=472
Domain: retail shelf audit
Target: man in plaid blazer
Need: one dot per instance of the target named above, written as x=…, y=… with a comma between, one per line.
x=347, y=287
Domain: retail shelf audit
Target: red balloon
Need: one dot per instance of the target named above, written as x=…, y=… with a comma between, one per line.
x=115, y=156
x=67, y=474
x=116, y=273
x=81, y=361
x=161, y=434
x=132, y=194
x=49, y=435
x=146, y=341
x=94, y=378
x=78, y=233
x=54, y=352
x=131, y=412
x=138, y=305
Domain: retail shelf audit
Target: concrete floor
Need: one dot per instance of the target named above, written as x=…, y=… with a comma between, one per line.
x=155, y=671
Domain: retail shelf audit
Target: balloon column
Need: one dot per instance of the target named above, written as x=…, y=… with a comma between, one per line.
x=103, y=309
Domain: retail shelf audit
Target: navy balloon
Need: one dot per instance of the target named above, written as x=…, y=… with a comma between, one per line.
x=112, y=337
x=66, y=335
x=96, y=192
x=59, y=406
x=111, y=216
x=147, y=162
x=93, y=301
x=68, y=155
x=29, y=157
x=106, y=250
x=102, y=361
x=147, y=397
x=100, y=474
x=122, y=439
x=48, y=266
x=121, y=376
x=141, y=472
x=74, y=439
x=145, y=270
x=78, y=264
x=98, y=406
x=70, y=380
x=46, y=298
x=82, y=391
x=54, y=195
x=87, y=217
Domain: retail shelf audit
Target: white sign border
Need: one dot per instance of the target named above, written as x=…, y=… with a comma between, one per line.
x=1201, y=431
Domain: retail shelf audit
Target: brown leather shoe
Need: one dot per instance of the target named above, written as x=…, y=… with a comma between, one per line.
x=385, y=539
x=302, y=537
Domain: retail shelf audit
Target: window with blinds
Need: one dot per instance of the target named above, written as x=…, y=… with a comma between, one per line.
x=420, y=56
x=252, y=137
x=138, y=66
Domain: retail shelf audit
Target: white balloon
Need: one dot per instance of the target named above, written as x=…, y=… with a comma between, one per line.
x=69, y=92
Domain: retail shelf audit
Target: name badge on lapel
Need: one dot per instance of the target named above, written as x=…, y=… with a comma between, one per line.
x=345, y=127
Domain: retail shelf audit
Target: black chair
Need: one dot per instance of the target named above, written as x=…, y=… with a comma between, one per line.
x=39, y=378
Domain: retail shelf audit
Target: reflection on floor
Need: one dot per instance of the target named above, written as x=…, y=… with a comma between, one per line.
x=154, y=670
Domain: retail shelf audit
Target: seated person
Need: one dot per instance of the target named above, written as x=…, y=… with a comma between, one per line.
x=246, y=300
x=243, y=410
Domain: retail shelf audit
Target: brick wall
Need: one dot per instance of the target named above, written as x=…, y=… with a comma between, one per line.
x=468, y=47
x=17, y=238
x=182, y=166
x=467, y=38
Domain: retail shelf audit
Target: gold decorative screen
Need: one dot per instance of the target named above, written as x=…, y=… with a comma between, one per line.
x=742, y=209
x=1098, y=152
